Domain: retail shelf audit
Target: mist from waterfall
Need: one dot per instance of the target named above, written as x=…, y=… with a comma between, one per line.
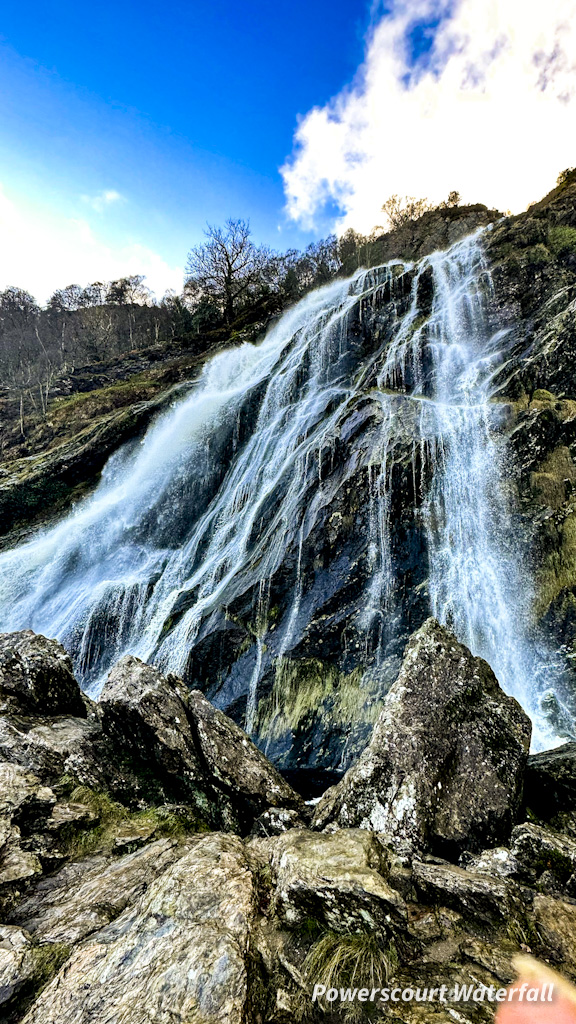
x=210, y=501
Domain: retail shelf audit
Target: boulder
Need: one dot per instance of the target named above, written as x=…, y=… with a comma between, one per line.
x=36, y=677
x=550, y=782
x=143, y=715
x=536, y=856
x=444, y=768
x=477, y=898
x=55, y=746
x=499, y=862
x=180, y=953
x=336, y=879
x=180, y=748
x=538, y=850
x=235, y=763
x=84, y=896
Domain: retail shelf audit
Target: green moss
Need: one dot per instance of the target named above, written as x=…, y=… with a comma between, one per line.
x=536, y=255
x=310, y=928
x=86, y=404
x=114, y=820
x=309, y=687
x=556, y=473
x=553, y=860
x=562, y=239
x=541, y=395
x=558, y=569
x=47, y=959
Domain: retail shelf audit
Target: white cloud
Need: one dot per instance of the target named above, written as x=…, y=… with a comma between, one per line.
x=102, y=200
x=40, y=252
x=491, y=114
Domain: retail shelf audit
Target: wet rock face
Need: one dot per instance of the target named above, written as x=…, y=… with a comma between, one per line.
x=305, y=689
x=533, y=265
x=36, y=677
x=445, y=722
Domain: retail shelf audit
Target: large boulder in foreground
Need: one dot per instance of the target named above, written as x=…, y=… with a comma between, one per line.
x=180, y=748
x=444, y=768
x=179, y=953
x=36, y=677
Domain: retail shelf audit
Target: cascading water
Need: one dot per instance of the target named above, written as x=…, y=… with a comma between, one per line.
x=476, y=582
x=167, y=533
x=228, y=481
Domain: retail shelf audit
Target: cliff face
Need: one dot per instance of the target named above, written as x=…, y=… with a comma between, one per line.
x=304, y=654
x=534, y=272
x=408, y=445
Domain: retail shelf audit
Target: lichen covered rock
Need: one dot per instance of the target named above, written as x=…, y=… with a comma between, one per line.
x=178, y=954
x=199, y=755
x=444, y=723
x=36, y=677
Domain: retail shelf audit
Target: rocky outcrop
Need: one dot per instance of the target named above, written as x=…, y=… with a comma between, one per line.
x=35, y=487
x=148, y=759
x=436, y=229
x=444, y=722
x=117, y=905
x=180, y=748
x=36, y=677
x=179, y=953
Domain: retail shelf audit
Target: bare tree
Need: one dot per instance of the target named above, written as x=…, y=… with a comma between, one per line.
x=228, y=265
x=401, y=210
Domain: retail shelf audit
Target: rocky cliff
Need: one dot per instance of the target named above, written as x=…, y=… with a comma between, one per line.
x=269, y=532
x=309, y=634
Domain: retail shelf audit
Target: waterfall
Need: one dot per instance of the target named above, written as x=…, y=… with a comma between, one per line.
x=230, y=479
x=182, y=522
x=477, y=585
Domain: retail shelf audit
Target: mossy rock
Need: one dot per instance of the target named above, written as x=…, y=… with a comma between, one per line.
x=558, y=570
x=44, y=962
x=309, y=688
x=562, y=239
x=118, y=830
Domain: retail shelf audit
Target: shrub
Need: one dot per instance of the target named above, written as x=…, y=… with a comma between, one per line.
x=562, y=239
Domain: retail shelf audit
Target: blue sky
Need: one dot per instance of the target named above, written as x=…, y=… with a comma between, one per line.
x=181, y=112
x=125, y=127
